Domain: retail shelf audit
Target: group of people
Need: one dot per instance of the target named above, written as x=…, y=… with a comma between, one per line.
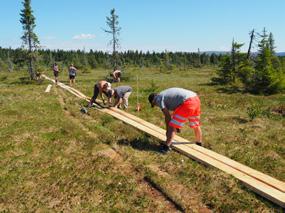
x=72, y=71
x=177, y=104
x=120, y=94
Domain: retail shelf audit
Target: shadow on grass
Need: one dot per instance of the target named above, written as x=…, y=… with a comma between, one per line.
x=240, y=120
x=22, y=81
x=143, y=144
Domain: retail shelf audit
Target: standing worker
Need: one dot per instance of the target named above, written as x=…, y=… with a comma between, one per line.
x=72, y=73
x=116, y=75
x=121, y=95
x=100, y=88
x=185, y=105
x=55, y=72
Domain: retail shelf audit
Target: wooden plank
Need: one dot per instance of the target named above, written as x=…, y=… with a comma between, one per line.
x=48, y=88
x=251, y=172
x=255, y=180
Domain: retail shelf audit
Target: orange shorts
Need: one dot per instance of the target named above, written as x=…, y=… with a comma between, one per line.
x=189, y=110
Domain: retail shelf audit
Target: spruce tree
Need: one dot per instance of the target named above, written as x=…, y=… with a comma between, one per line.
x=29, y=38
x=114, y=30
x=268, y=75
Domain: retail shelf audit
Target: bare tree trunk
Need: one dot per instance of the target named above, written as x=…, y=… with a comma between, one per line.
x=31, y=71
x=250, y=43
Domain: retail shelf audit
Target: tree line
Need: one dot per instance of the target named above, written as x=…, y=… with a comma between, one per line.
x=15, y=59
x=262, y=72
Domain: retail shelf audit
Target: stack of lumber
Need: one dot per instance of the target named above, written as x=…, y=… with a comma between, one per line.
x=262, y=184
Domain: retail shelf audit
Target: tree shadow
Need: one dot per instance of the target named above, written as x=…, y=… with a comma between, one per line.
x=142, y=144
x=22, y=81
x=230, y=90
x=240, y=120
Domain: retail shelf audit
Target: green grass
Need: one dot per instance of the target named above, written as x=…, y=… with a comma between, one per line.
x=53, y=158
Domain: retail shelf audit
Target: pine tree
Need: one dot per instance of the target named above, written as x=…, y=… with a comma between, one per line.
x=230, y=66
x=268, y=76
x=29, y=38
x=114, y=29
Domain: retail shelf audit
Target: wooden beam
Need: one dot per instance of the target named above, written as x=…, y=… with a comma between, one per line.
x=48, y=88
x=260, y=183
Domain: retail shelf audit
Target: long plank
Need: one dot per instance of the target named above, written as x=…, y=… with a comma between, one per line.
x=270, y=191
x=251, y=172
x=48, y=88
x=261, y=188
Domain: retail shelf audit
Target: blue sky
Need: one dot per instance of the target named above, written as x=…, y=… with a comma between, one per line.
x=154, y=25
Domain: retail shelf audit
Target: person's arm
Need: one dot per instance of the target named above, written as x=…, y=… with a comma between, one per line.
x=118, y=102
x=167, y=116
x=170, y=131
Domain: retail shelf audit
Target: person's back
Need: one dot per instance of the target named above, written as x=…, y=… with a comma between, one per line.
x=117, y=75
x=72, y=71
x=171, y=98
x=120, y=91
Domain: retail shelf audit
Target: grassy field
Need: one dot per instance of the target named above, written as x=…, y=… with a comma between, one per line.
x=53, y=158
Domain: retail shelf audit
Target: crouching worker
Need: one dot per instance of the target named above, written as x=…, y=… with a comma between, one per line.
x=116, y=75
x=185, y=105
x=100, y=88
x=121, y=95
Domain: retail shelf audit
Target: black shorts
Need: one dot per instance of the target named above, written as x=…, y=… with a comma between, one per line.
x=55, y=73
x=71, y=77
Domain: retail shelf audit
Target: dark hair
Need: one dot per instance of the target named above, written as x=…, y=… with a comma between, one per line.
x=109, y=93
x=151, y=98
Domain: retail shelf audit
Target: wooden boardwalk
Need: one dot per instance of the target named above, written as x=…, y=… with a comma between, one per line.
x=262, y=184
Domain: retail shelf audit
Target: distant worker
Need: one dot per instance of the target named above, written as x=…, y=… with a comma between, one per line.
x=116, y=75
x=72, y=73
x=121, y=95
x=55, y=72
x=100, y=88
x=185, y=105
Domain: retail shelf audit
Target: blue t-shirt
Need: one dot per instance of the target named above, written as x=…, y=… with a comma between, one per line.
x=122, y=90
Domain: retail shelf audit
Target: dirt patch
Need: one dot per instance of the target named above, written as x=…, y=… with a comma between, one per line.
x=280, y=110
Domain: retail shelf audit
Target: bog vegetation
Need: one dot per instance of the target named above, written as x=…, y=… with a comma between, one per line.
x=54, y=158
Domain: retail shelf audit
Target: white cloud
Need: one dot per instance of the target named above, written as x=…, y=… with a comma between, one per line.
x=84, y=36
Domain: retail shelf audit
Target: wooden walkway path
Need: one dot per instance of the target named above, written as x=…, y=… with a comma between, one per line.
x=262, y=184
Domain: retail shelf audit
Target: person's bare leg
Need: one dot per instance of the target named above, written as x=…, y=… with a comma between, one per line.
x=198, y=134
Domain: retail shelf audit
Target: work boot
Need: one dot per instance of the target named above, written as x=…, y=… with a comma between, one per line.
x=164, y=149
x=84, y=110
x=199, y=143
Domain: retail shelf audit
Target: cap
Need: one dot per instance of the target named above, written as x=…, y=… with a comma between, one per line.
x=151, y=98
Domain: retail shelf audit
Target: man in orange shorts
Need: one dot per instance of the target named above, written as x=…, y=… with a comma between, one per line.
x=185, y=105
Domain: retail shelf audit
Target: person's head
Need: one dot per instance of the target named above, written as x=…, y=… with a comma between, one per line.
x=151, y=99
x=71, y=65
x=55, y=64
x=110, y=93
x=107, y=86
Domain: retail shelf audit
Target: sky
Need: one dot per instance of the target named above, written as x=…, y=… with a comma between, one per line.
x=147, y=25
